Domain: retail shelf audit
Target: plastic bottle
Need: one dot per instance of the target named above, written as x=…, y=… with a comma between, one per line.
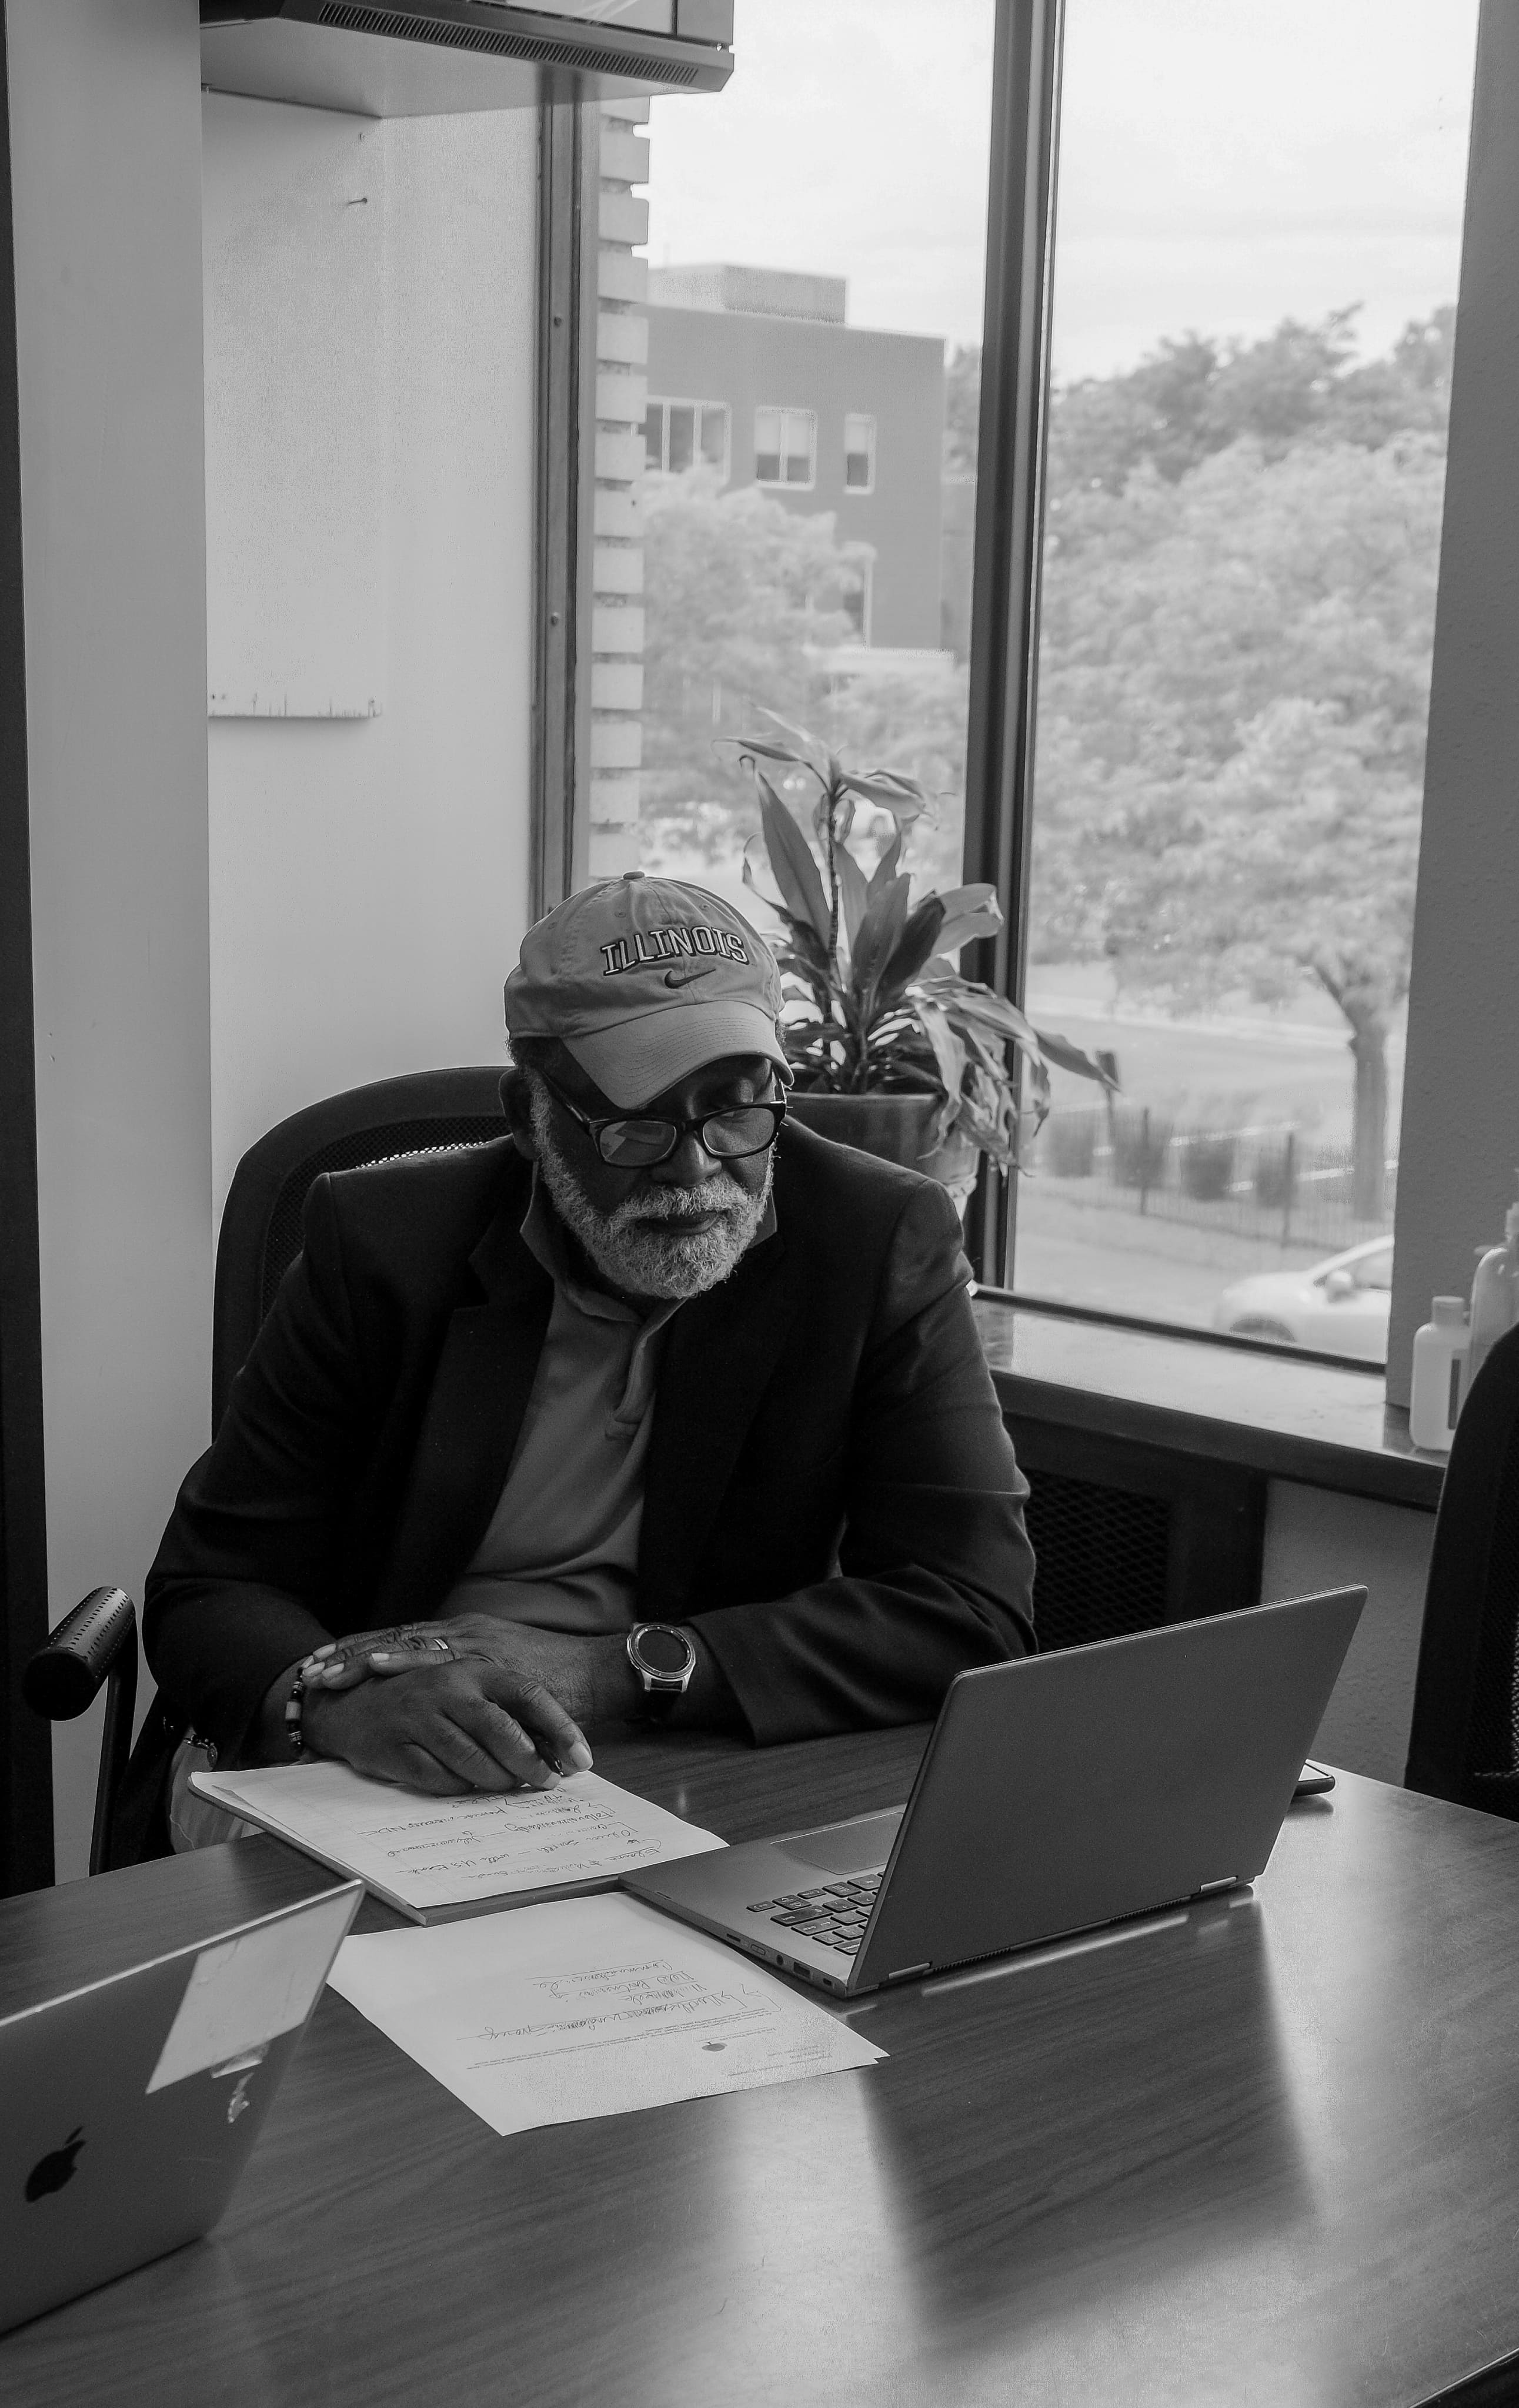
x=1495, y=1295
x=1440, y=1362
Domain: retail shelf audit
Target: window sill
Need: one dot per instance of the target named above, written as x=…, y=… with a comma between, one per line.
x=1264, y=1413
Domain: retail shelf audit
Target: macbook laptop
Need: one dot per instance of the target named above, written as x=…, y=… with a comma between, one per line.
x=129, y=2104
x=1057, y=1793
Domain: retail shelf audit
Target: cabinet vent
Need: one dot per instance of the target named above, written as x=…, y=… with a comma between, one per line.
x=1102, y=1557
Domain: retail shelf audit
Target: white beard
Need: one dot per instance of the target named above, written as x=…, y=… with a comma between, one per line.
x=640, y=1246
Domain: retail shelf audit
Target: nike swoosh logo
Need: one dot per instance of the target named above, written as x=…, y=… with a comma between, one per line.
x=690, y=971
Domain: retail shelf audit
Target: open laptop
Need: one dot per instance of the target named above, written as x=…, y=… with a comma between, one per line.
x=129, y=2104
x=1058, y=1793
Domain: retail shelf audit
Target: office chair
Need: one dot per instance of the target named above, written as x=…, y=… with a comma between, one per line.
x=1464, y=1743
x=260, y=1237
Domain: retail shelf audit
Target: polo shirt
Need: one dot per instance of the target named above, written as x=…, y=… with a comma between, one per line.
x=561, y=1548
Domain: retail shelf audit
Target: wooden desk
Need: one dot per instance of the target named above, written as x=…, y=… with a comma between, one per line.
x=1263, y=2152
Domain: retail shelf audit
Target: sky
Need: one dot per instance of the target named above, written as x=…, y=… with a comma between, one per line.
x=1225, y=163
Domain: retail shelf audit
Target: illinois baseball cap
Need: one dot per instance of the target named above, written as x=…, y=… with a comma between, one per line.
x=646, y=980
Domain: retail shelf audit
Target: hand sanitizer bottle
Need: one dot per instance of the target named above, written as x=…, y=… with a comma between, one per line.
x=1440, y=1362
x=1495, y=1295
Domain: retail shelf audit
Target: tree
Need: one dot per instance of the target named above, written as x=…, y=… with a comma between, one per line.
x=962, y=409
x=742, y=595
x=1233, y=694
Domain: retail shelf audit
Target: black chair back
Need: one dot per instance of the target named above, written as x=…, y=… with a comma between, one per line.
x=260, y=1237
x=1464, y=1744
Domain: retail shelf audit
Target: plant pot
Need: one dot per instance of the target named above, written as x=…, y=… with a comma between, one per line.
x=896, y=1128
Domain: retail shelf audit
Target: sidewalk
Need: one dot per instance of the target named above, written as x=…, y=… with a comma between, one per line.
x=1075, y=1249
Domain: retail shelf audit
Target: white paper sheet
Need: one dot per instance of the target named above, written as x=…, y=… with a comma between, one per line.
x=427, y=1853
x=594, y=2007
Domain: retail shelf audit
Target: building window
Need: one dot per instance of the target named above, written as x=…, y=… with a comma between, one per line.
x=785, y=447
x=680, y=434
x=859, y=452
x=855, y=599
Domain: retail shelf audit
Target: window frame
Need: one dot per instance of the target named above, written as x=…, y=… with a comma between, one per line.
x=860, y=418
x=1008, y=543
x=784, y=484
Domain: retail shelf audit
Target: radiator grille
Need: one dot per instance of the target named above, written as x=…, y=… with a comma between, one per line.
x=535, y=48
x=1103, y=1556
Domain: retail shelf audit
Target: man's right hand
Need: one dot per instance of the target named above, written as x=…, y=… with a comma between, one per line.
x=448, y=1729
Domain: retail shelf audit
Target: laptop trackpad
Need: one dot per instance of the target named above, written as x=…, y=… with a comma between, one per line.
x=847, y=1848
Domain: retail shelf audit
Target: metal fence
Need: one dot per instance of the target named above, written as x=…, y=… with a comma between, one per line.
x=1263, y=1181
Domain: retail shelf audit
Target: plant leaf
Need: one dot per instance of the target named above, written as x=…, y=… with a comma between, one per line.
x=768, y=751
x=948, y=1055
x=1067, y=1056
x=982, y=897
x=916, y=944
x=899, y=797
x=886, y=868
x=854, y=895
x=810, y=742
x=790, y=859
x=879, y=933
x=964, y=929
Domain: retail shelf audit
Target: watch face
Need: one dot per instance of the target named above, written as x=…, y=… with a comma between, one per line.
x=664, y=1650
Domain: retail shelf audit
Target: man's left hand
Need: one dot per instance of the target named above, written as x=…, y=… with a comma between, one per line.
x=590, y=1677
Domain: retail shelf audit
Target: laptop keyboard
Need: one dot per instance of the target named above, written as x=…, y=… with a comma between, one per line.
x=836, y=1912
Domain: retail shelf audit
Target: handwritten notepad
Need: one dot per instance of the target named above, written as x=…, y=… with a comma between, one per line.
x=435, y=1859
x=592, y=2008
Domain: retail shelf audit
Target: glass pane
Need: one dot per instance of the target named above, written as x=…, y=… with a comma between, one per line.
x=860, y=451
x=715, y=439
x=682, y=437
x=654, y=436
x=1254, y=282
x=816, y=248
x=767, y=445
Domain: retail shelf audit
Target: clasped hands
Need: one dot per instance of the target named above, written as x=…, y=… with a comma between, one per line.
x=466, y=1704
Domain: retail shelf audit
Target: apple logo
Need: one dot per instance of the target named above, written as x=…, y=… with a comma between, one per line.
x=57, y=2168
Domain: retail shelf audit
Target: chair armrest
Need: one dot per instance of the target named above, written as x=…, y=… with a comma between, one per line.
x=63, y=1678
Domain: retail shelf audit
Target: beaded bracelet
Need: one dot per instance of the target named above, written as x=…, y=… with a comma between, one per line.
x=294, y=1732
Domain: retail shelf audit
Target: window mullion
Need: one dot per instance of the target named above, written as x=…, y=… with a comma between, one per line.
x=1014, y=383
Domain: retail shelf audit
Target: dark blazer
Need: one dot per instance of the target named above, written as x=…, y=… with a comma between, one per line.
x=830, y=1490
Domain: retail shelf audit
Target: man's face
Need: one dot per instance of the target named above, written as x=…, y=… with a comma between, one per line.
x=677, y=1226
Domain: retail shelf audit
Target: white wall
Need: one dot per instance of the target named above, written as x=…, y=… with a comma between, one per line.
x=369, y=877
x=105, y=116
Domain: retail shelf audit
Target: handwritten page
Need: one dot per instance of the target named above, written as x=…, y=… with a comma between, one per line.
x=594, y=2007
x=425, y=1855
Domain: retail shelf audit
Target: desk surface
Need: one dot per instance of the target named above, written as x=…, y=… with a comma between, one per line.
x=1261, y=2151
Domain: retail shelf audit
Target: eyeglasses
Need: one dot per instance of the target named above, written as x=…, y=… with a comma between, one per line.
x=637, y=1142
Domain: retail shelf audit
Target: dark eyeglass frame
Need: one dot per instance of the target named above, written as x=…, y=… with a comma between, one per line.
x=678, y=1131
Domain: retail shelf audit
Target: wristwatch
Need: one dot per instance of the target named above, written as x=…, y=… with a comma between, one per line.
x=664, y=1660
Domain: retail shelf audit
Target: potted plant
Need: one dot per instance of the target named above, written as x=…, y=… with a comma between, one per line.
x=882, y=1015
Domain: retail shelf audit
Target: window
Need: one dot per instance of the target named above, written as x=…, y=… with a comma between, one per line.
x=808, y=308
x=785, y=447
x=1244, y=488
x=860, y=454
x=855, y=599
x=681, y=434
x=1253, y=295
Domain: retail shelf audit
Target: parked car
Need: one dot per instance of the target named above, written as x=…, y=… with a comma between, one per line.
x=1339, y=1306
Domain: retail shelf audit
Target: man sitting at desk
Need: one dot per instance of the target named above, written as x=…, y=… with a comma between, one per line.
x=649, y=1359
